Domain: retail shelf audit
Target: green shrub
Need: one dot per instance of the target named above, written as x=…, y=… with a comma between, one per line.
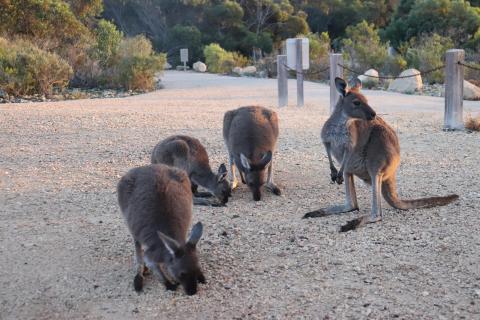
x=219, y=60
x=108, y=40
x=363, y=47
x=137, y=64
x=50, y=24
x=428, y=52
x=394, y=65
x=25, y=69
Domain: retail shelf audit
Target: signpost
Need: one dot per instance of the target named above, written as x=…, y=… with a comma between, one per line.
x=298, y=60
x=184, y=58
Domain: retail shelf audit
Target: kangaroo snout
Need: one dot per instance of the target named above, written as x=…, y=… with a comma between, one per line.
x=372, y=115
x=257, y=195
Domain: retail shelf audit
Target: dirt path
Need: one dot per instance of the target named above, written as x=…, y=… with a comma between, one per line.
x=65, y=252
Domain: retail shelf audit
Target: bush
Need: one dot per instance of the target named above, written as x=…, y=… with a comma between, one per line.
x=363, y=47
x=455, y=19
x=319, y=45
x=219, y=60
x=108, y=40
x=428, y=52
x=25, y=69
x=137, y=64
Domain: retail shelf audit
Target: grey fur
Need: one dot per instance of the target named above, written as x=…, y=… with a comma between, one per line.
x=367, y=147
x=156, y=202
x=251, y=134
x=189, y=154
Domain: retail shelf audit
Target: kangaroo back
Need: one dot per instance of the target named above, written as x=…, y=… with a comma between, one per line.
x=156, y=202
x=156, y=198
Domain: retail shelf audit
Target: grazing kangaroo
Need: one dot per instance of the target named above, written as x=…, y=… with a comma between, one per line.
x=250, y=135
x=156, y=202
x=367, y=147
x=188, y=153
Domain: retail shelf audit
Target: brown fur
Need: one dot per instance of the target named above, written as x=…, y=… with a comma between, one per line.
x=366, y=147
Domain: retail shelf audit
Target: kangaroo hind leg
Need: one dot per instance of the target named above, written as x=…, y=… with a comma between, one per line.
x=350, y=201
x=376, y=212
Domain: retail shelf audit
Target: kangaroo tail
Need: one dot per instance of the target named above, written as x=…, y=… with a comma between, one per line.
x=389, y=191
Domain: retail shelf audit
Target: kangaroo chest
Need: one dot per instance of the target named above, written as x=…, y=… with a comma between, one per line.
x=341, y=136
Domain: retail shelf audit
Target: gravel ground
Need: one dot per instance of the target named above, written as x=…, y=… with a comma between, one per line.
x=66, y=254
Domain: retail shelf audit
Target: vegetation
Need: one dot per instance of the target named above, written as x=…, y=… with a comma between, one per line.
x=107, y=43
x=27, y=69
x=221, y=61
x=49, y=44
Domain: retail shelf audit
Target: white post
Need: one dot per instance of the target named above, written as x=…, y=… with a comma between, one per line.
x=282, y=80
x=454, y=75
x=299, y=69
x=335, y=71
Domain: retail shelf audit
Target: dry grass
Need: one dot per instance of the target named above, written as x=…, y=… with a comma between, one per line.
x=473, y=123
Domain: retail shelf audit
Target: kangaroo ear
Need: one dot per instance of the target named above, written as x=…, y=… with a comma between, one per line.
x=195, y=234
x=266, y=159
x=355, y=84
x=245, y=162
x=341, y=86
x=170, y=244
x=222, y=172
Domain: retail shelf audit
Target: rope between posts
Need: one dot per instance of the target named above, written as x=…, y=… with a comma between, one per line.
x=468, y=66
x=392, y=77
x=307, y=73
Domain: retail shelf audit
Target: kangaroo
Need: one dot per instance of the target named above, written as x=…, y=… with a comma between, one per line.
x=367, y=147
x=156, y=202
x=188, y=153
x=251, y=134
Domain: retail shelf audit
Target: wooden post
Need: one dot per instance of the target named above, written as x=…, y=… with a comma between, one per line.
x=299, y=69
x=282, y=80
x=454, y=74
x=335, y=71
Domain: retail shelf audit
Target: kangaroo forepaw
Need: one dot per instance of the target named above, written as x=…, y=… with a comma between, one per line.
x=333, y=174
x=170, y=286
x=274, y=189
x=339, y=179
x=201, y=279
x=138, y=282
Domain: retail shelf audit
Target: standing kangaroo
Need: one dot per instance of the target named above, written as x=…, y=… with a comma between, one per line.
x=367, y=147
x=251, y=135
x=188, y=153
x=156, y=202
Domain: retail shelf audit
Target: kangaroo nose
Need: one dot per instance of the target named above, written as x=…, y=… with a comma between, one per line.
x=372, y=115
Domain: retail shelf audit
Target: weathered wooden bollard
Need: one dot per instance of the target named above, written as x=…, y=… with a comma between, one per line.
x=454, y=73
x=298, y=60
x=335, y=71
x=282, y=78
x=299, y=70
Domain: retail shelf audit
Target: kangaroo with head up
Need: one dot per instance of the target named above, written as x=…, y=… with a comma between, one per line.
x=366, y=147
x=251, y=134
x=188, y=153
x=156, y=202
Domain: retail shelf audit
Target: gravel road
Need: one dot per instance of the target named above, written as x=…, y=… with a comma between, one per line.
x=65, y=252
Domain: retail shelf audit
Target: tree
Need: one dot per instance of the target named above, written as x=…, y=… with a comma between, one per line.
x=48, y=23
x=363, y=46
x=455, y=19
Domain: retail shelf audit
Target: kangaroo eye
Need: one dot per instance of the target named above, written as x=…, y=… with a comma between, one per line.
x=356, y=102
